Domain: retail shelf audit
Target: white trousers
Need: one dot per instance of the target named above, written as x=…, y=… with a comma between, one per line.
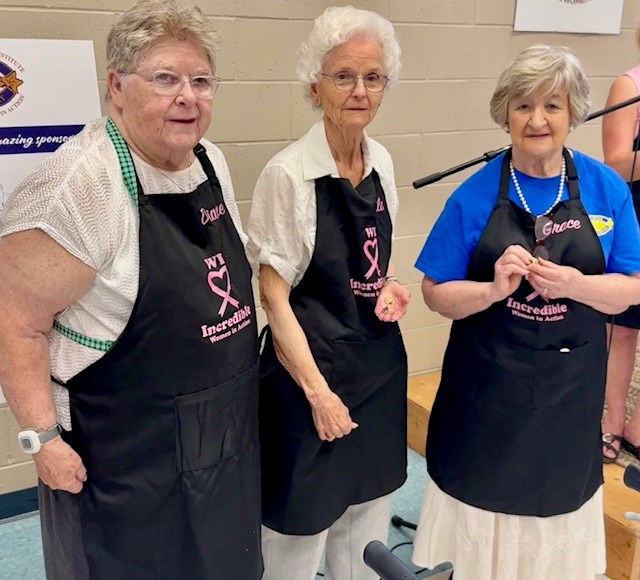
x=298, y=557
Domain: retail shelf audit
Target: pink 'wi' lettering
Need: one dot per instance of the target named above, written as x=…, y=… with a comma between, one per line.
x=372, y=252
x=222, y=274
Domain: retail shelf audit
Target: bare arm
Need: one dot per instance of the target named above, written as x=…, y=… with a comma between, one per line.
x=457, y=299
x=618, y=129
x=330, y=415
x=461, y=298
x=38, y=279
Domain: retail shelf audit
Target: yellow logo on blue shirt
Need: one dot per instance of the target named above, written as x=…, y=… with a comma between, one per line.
x=602, y=224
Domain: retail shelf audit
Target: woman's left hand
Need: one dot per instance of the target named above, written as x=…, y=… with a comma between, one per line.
x=552, y=280
x=392, y=302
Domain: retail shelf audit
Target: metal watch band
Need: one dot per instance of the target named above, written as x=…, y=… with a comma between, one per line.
x=50, y=433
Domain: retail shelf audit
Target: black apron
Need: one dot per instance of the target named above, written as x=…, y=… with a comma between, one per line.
x=307, y=484
x=166, y=421
x=630, y=318
x=515, y=426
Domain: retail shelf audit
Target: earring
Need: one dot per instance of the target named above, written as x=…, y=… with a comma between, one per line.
x=506, y=128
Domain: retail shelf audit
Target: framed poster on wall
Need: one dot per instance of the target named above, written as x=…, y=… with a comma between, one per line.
x=48, y=91
x=579, y=16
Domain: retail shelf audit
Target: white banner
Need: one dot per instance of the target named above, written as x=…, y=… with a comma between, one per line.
x=581, y=16
x=48, y=91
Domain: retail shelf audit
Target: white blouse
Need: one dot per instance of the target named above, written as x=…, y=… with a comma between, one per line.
x=77, y=197
x=282, y=226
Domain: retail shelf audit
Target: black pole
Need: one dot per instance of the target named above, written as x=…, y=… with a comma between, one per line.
x=489, y=155
x=612, y=108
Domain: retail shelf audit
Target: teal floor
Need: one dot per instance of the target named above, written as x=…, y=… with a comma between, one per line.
x=21, y=550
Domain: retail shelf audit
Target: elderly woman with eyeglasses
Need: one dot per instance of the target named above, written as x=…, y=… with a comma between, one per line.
x=528, y=258
x=333, y=371
x=124, y=278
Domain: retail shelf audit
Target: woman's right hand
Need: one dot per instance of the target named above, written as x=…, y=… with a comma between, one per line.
x=60, y=467
x=509, y=270
x=330, y=415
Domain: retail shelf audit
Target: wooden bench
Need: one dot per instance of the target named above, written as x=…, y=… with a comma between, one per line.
x=623, y=536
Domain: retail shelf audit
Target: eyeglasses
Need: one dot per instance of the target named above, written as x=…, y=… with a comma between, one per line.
x=169, y=84
x=542, y=230
x=346, y=81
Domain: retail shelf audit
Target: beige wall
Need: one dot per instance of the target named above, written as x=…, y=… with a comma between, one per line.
x=436, y=117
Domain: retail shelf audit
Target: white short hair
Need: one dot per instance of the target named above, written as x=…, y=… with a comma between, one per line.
x=336, y=26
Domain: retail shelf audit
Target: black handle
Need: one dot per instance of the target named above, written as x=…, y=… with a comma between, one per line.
x=632, y=476
x=380, y=559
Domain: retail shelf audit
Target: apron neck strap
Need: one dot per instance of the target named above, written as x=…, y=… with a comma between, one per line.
x=505, y=175
x=571, y=176
x=124, y=157
x=203, y=158
x=128, y=169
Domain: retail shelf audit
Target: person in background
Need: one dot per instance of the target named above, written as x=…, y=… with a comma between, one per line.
x=620, y=144
x=334, y=369
x=528, y=257
x=141, y=311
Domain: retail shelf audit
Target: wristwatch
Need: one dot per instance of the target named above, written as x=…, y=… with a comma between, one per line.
x=32, y=440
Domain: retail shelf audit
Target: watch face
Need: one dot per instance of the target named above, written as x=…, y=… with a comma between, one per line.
x=29, y=441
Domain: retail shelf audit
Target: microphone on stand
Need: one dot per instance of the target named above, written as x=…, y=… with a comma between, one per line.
x=613, y=108
x=489, y=155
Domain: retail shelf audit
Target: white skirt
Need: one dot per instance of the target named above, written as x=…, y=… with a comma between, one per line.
x=484, y=545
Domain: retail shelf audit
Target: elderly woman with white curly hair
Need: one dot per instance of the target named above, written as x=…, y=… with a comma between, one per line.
x=333, y=371
x=123, y=277
x=528, y=258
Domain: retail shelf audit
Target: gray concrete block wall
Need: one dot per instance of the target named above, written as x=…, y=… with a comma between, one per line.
x=437, y=116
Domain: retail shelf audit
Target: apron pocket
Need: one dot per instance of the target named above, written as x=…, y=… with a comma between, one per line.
x=360, y=368
x=212, y=424
x=567, y=376
x=502, y=373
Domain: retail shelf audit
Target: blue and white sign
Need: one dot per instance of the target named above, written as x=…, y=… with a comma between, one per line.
x=48, y=92
x=579, y=16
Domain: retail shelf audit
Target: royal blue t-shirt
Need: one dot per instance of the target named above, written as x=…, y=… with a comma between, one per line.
x=605, y=196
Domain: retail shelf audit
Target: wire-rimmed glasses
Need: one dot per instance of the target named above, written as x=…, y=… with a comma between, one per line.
x=346, y=81
x=169, y=83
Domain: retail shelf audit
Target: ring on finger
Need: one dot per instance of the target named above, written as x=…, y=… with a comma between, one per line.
x=331, y=439
x=545, y=291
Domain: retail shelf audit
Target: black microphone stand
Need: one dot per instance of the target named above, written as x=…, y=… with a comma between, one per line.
x=489, y=155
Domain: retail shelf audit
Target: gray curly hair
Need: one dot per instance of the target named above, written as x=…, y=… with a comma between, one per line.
x=150, y=21
x=541, y=66
x=335, y=27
